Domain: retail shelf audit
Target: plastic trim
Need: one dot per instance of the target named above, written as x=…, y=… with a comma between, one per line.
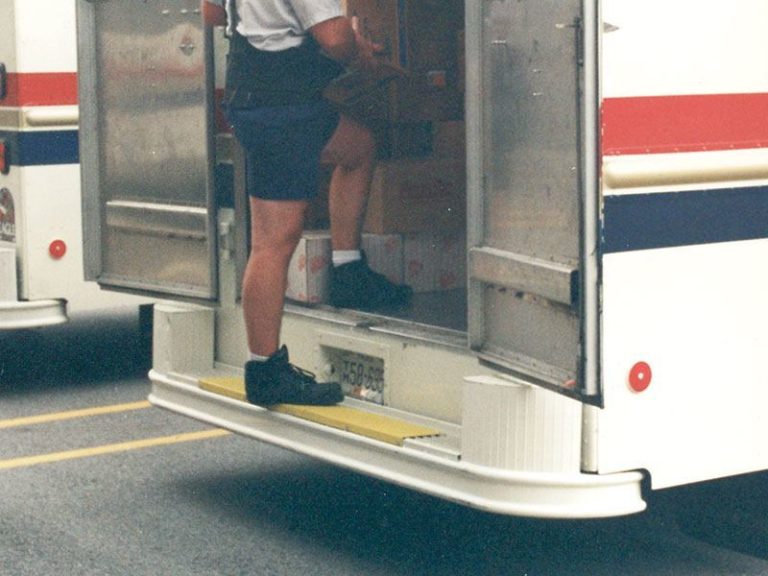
x=17, y=315
x=517, y=493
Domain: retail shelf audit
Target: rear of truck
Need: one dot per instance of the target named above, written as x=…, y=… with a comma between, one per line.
x=546, y=365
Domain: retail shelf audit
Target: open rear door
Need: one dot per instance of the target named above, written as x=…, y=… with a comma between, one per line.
x=529, y=160
x=148, y=205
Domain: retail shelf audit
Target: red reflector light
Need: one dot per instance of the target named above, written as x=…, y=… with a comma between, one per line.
x=57, y=249
x=640, y=376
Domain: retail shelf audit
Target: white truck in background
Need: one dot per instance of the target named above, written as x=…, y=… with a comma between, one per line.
x=41, y=260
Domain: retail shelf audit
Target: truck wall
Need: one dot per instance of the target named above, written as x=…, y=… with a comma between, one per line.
x=685, y=239
x=39, y=122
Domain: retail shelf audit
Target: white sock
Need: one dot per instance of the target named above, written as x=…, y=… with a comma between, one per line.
x=257, y=358
x=340, y=257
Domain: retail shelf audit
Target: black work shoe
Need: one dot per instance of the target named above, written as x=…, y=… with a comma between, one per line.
x=277, y=381
x=355, y=285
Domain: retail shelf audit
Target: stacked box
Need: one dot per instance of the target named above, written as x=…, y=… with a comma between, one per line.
x=308, y=279
x=403, y=139
x=435, y=262
x=385, y=255
x=413, y=195
x=309, y=269
x=449, y=139
x=430, y=29
x=422, y=37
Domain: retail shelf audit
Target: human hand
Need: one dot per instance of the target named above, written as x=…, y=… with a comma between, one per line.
x=368, y=55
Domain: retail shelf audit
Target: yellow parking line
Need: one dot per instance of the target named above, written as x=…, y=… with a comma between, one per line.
x=110, y=449
x=70, y=414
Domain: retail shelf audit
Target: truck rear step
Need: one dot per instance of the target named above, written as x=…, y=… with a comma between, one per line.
x=431, y=464
x=343, y=417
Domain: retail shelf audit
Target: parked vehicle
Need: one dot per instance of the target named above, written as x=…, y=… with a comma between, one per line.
x=41, y=244
x=607, y=335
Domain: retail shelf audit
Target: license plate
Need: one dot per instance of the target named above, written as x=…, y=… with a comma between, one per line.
x=360, y=376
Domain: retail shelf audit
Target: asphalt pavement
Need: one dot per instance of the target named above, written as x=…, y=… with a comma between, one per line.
x=97, y=482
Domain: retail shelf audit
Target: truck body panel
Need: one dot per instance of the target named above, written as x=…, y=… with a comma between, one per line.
x=41, y=218
x=616, y=242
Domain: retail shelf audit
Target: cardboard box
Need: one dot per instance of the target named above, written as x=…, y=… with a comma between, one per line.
x=441, y=139
x=449, y=139
x=420, y=36
x=308, y=279
x=428, y=24
x=309, y=269
x=430, y=29
x=417, y=195
x=435, y=262
x=404, y=140
x=385, y=255
x=422, y=98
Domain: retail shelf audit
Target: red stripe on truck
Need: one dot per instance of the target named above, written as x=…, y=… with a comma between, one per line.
x=657, y=124
x=41, y=89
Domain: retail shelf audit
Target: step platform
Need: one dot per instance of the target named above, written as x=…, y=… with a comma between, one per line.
x=357, y=421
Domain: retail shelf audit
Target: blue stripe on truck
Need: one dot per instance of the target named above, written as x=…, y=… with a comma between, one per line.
x=669, y=219
x=42, y=148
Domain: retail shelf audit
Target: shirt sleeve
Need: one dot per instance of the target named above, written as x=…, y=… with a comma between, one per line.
x=311, y=12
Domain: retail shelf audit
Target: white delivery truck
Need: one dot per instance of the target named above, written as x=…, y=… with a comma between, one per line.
x=607, y=334
x=41, y=263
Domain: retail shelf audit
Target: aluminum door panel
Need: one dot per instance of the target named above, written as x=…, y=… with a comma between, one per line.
x=525, y=206
x=147, y=77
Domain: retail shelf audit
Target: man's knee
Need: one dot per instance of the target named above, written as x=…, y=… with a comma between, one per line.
x=278, y=231
x=277, y=247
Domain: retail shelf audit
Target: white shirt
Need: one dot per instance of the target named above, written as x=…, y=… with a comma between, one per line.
x=280, y=24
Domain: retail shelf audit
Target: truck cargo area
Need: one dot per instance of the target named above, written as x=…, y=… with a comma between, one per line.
x=476, y=200
x=415, y=229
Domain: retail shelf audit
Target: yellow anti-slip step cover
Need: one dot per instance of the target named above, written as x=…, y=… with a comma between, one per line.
x=353, y=420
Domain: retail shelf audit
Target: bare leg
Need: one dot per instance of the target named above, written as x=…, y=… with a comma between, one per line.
x=354, y=285
x=276, y=228
x=352, y=150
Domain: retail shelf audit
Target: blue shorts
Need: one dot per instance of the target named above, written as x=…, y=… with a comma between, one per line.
x=282, y=146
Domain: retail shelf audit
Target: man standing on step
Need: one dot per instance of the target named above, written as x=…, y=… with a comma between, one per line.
x=283, y=53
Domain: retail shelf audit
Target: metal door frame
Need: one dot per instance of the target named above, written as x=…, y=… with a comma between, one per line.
x=586, y=283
